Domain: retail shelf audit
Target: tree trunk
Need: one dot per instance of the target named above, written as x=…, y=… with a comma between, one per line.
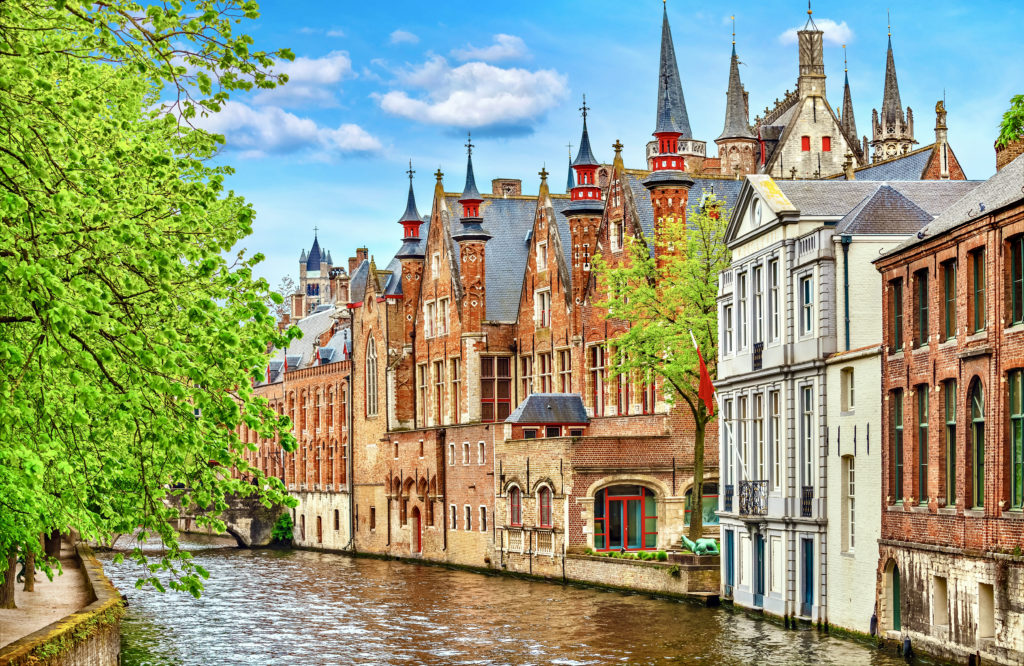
x=697, y=494
x=30, y=570
x=7, y=587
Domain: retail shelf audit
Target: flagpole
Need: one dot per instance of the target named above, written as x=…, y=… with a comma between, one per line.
x=728, y=422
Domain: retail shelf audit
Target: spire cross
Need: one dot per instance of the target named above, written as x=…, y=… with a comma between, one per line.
x=469, y=143
x=410, y=171
x=617, y=146
x=438, y=174
x=315, y=229
x=543, y=173
x=584, y=108
x=569, y=146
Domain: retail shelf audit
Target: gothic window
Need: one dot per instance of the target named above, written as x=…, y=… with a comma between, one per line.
x=515, y=507
x=544, y=505
x=371, y=378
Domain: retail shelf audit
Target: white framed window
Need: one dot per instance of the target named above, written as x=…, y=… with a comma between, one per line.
x=727, y=329
x=758, y=428
x=542, y=308
x=542, y=256
x=465, y=453
x=451, y=453
x=481, y=453
x=846, y=381
x=773, y=300
x=807, y=434
x=741, y=432
x=741, y=305
x=544, y=374
x=851, y=514
x=371, y=378
x=730, y=428
x=483, y=518
x=469, y=518
x=454, y=512
x=421, y=387
x=775, y=433
x=442, y=316
x=806, y=305
x=757, y=277
x=429, y=319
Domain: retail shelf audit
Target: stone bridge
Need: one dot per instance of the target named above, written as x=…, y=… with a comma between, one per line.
x=246, y=519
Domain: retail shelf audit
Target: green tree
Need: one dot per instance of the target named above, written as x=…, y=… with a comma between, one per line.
x=664, y=297
x=1012, y=126
x=131, y=326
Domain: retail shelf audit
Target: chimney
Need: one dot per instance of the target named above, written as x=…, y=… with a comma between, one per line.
x=506, y=187
x=1008, y=153
x=353, y=263
x=361, y=254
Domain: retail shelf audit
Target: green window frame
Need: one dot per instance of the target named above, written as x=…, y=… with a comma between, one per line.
x=922, y=444
x=949, y=394
x=977, y=402
x=922, y=309
x=1017, y=280
x=1016, y=439
x=949, y=298
x=978, y=289
x=897, y=443
x=897, y=315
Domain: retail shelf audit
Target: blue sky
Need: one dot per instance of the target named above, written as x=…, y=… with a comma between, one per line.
x=378, y=83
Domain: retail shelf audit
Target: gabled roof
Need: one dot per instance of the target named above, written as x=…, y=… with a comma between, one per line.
x=884, y=211
x=299, y=353
x=1002, y=189
x=539, y=408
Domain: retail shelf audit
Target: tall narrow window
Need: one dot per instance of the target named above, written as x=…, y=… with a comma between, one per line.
x=762, y=461
x=741, y=432
x=481, y=453
x=807, y=431
x=515, y=507
x=371, y=378
x=542, y=256
x=442, y=316
x=483, y=519
x=565, y=371
x=456, y=371
x=597, y=379
x=758, y=276
x=438, y=392
x=1016, y=440
x=896, y=290
x=621, y=389
x=949, y=395
x=729, y=427
x=429, y=319
x=1017, y=279
x=543, y=305
x=897, y=443
x=949, y=300
x=848, y=395
x=921, y=327
x=495, y=388
x=469, y=518
x=727, y=330
x=775, y=432
x=826, y=144
x=648, y=397
x=922, y=443
x=455, y=517
x=544, y=501
x=741, y=323
x=978, y=289
x=421, y=393
x=544, y=360
x=773, y=299
x=805, y=143
x=806, y=305
x=525, y=376
x=977, y=402
x=849, y=503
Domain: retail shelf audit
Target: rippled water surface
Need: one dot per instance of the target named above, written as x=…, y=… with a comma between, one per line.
x=296, y=607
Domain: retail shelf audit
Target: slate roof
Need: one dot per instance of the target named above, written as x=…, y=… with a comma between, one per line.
x=670, y=88
x=726, y=189
x=736, y=118
x=300, y=352
x=836, y=198
x=357, y=283
x=411, y=214
x=313, y=261
x=469, y=192
x=393, y=286
x=338, y=348
x=892, y=108
x=585, y=156
x=1002, y=189
x=905, y=167
x=509, y=220
x=550, y=408
x=884, y=211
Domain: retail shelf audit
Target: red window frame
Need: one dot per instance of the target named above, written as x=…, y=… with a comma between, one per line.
x=647, y=389
x=622, y=398
x=544, y=499
x=496, y=388
x=515, y=507
x=565, y=371
x=597, y=379
x=601, y=523
x=826, y=144
x=545, y=372
x=805, y=143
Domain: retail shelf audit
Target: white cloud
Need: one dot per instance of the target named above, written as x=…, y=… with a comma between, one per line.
x=835, y=33
x=404, y=37
x=475, y=94
x=335, y=33
x=505, y=47
x=310, y=80
x=257, y=132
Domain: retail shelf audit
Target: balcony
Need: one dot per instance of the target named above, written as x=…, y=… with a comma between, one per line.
x=727, y=498
x=545, y=543
x=753, y=498
x=515, y=540
x=806, y=495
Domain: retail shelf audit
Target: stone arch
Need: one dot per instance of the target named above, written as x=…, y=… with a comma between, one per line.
x=512, y=481
x=543, y=481
x=890, y=607
x=396, y=486
x=421, y=487
x=654, y=484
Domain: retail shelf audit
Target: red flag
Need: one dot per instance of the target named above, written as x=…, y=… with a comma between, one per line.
x=706, y=392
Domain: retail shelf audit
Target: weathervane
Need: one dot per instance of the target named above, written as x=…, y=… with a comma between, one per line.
x=469, y=143
x=584, y=108
x=410, y=171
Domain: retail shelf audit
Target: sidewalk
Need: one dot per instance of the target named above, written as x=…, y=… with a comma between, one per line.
x=50, y=602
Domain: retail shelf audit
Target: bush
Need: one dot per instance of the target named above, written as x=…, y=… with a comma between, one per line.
x=283, y=528
x=662, y=556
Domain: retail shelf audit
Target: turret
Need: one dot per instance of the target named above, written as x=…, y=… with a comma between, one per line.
x=472, y=239
x=736, y=144
x=892, y=131
x=811, y=82
x=412, y=245
x=671, y=118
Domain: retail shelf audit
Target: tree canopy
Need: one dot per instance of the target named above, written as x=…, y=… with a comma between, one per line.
x=1012, y=126
x=131, y=326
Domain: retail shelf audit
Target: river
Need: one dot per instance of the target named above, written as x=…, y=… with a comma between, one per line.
x=299, y=607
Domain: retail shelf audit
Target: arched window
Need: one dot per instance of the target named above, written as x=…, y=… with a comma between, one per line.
x=977, y=402
x=515, y=506
x=330, y=408
x=625, y=517
x=544, y=506
x=371, y=378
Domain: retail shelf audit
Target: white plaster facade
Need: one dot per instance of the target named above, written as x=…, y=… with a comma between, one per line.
x=332, y=509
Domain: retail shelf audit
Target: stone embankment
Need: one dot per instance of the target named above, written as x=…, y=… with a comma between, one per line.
x=88, y=631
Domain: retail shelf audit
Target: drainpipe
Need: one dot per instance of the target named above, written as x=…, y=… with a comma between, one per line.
x=846, y=285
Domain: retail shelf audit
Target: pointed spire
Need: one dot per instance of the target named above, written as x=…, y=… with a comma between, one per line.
x=570, y=182
x=328, y=260
x=737, y=124
x=891, y=106
x=469, y=192
x=671, y=111
x=543, y=173
x=585, y=156
x=847, y=120
x=313, y=260
x=617, y=163
x=303, y=256
x=411, y=214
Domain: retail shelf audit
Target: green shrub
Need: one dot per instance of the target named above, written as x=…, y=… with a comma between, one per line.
x=662, y=556
x=283, y=528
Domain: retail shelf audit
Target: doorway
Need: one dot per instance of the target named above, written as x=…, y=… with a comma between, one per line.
x=758, y=570
x=807, y=556
x=897, y=623
x=417, y=531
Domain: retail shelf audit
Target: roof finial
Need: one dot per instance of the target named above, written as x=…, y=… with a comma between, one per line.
x=438, y=174
x=844, y=59
x=584, y=108
x=888, y=20
x=733, y=17
x=315, y=229
x=808, y=7
x=543, y=173
x=617, y=146
x=410, y=171
x=469, y=143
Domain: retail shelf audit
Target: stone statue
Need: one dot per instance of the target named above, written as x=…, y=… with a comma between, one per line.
x=702, y=546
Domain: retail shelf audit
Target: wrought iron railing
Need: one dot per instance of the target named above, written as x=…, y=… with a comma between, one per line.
x=806, y=495
x=757, y=358
x=753, y=498
x=727, y=498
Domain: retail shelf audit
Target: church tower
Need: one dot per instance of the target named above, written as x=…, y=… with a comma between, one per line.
x=584, y=212
x=472, y=238
x=314, y=280
x=736, y=144
x=892, y=133
x=670, y=87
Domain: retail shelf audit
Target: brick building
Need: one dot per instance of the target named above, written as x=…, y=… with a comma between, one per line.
x=950, y=575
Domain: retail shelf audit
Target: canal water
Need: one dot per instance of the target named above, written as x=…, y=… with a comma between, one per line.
x=299, y=607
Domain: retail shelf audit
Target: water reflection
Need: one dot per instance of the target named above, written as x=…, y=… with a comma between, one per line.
x=296, y=607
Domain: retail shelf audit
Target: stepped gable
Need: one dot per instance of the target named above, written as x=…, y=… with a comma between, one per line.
x=1002, y=189
x=509, y=221
x=884, y=211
